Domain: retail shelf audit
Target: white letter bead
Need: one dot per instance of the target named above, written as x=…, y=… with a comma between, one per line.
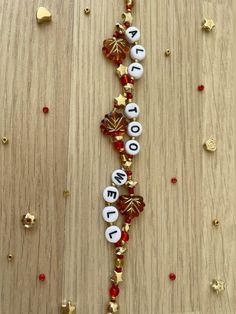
x=113, y=234
x=132, y=147
x=134, y=129
x=110, y=194
x=132, y=110
x=135, y=70
x=137, y=52
x=119, y=177
x=110, y=214
x=132, y=34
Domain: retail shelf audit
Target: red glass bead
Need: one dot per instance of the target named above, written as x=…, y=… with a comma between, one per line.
x=114, y=291
x=131, y=80
x=117, y=244
x=42, y=277
x=125, y=79
x=128, y=220
x=45, y=109
x=125, y=236
x=131, y=190
x=117, y=34
x=129, y=156
x=118, y=270
x=129, y=7
x=129, y=173
x=119, y=145
x=173, y=180
x=201, y=88
x=121, y=256
x=127, y=24
x=129, y=95
x=172, y=276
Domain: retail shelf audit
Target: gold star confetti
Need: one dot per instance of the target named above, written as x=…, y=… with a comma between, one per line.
x=68, y=308
x=127, y=17
x=217, y=285
x=208, y=25
x=121, y=70
x=120, y=101
x=117, y=277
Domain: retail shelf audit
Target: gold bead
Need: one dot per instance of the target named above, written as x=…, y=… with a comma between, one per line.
x=4, y=140
x=10, y=257
x=120, y=250
x=43, y=15
x=87, y=11
x=28, y=220
x=119, y=263
x=68, y=308
x=210, y=145
x=217, y=285
x=120, y=28
x=129, y=88
x=125, y=227
x=208, y=25
x=167, y=52
x=66, y=193
x=216, y=222
x=112, y=307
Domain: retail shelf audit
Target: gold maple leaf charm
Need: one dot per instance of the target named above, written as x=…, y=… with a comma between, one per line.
x=114, y=124
x=115, y=49
x=130, y=205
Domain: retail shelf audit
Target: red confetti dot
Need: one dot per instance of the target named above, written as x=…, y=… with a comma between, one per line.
x=42, y=277
x=172, y=276
x=45, y=109
x=173, y=180
x=201, y=88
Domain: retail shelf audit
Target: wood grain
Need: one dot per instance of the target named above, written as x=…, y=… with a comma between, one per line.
x=60, y=64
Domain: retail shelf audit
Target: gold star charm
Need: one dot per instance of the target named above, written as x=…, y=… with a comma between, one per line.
x=121, y=70
x=68, y=308
x=117, y=277
x=127, y=17
x=208, y=25
x=217, y=285
x=120, y=101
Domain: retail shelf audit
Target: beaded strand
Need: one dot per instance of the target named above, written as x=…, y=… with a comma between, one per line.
x=121, y=122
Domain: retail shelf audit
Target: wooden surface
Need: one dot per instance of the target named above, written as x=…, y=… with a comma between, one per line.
x=61, y=65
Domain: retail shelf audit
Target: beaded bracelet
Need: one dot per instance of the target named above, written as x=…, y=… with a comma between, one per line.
x=121, y=121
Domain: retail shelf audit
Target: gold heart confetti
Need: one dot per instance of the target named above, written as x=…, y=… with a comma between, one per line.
x=43, y=15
